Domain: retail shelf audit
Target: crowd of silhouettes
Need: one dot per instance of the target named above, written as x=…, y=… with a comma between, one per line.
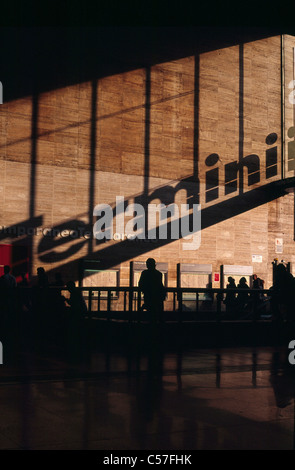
x=41, y=310
x=45, y=310
x=242, y=303
x=8, y=299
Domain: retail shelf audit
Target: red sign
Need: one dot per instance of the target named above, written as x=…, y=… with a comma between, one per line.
x=216, y=277
x=16, y=257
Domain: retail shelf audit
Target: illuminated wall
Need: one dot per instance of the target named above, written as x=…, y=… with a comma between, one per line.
x=206, y=128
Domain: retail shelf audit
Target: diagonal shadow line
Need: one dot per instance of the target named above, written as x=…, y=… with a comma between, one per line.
x=241, y=117
x=196, y=118
x=93, y=139
x=100, y=118
x=34, y=139
x=124, y=251
x=147, y=131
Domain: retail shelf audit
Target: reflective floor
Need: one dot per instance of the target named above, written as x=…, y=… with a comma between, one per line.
x=229, y=398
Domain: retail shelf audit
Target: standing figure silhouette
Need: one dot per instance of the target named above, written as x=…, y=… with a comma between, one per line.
x=151, y=284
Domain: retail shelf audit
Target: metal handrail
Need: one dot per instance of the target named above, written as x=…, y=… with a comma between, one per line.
x=102, y=305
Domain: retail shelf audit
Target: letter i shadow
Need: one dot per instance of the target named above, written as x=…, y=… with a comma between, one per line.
x=212, y=178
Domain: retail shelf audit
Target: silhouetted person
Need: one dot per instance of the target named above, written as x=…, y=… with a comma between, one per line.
x=258, y=284
x=42, y=279
x=8, y=299
x=74, y=326
x=242, y=297
x=24, y=282
x=282, y=380
x=41, y=305
x=208, y=296
x=8, y=280
x=257, y=297
x=150, y=283
x=283, y=295
x=58, y=307
x=230, y=298
x=57, y=297
x=23, y=294
x=76, y=300
x=59, y=282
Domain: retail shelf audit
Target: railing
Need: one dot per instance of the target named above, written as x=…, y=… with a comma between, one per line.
x=181, y=304
x=114, y=313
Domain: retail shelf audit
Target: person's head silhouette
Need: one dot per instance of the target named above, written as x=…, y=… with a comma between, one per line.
x=6, y=269
x=150, y=263
x=71, y=286
x=41, y=272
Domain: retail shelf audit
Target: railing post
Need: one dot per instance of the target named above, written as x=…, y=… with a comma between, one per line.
x=109, y=304
x=174, y=301
x=130, y=303
x=138, y=306
x=98, y=300
x=90, y=304
x=219, y=298
x=125, y=301
x=254, y=309
x=179, y=294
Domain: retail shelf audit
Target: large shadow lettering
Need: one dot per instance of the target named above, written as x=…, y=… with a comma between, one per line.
x=241, y=196
x=72, y=235
x=233, y=171
x=124, y=250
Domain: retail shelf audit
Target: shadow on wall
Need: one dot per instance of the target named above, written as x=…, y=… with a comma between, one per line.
x=49, y=248
x=157, y=48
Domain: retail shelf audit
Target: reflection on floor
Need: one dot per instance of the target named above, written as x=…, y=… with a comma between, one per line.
x=229, y=398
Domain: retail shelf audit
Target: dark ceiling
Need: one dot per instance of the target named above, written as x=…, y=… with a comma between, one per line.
x=36, y=59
